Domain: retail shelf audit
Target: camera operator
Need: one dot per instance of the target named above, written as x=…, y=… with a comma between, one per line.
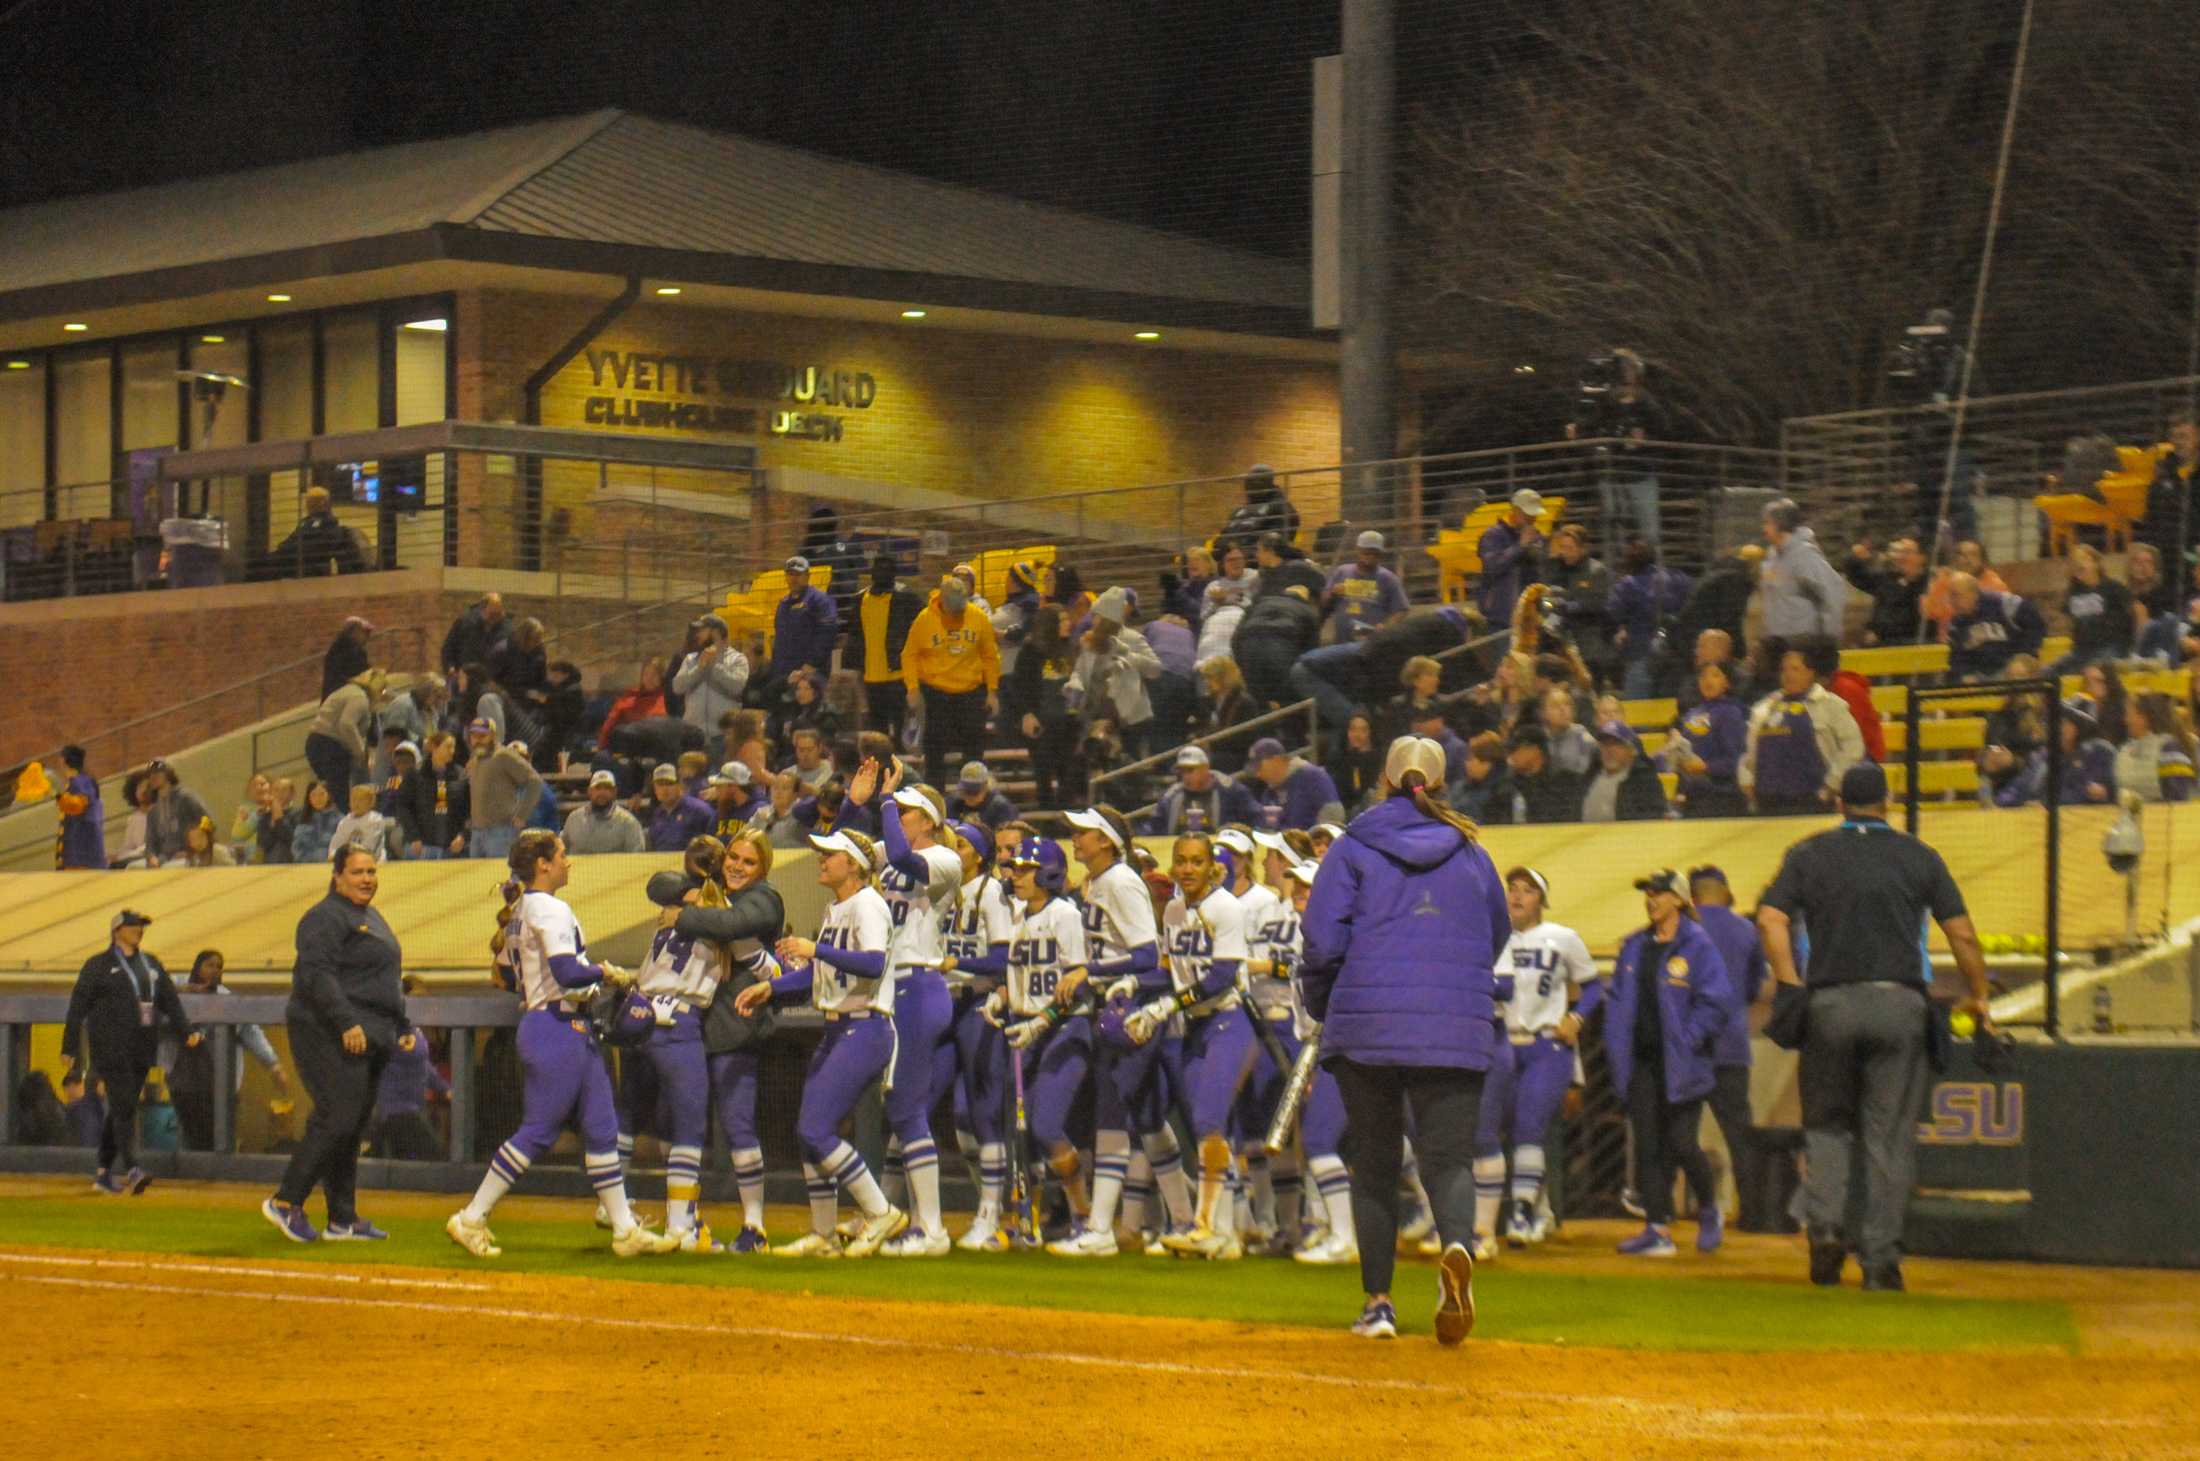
x=1614, y=403
x=1924, y=373
x=1581, y=587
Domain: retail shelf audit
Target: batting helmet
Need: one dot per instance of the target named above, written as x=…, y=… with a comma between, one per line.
x=623, y=1019
x=1108, y=1027
x=1046, y=854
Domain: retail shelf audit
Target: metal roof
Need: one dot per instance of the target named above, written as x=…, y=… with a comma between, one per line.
x=613, y=179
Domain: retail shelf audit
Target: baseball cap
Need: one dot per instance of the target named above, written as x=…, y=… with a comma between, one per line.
x=1192, y=756
x=355, y=621
x=479, y=726
x=1303, y=871
x=1617, y=731
x=841, y=842
x=1369, y=539
x=1528, y=502
x=605, y=778
x=1092, y=821
x=1542, y=884
x=798, y=564
x=974, y=774
x=1710, y=870
x=407, y=748
x=665, y=771
x=2080, y=709
x=1262, y=749
x=1863, y=785
x=129, y=918
x=1414, y=753
x=1664, y=880
x=922, y=799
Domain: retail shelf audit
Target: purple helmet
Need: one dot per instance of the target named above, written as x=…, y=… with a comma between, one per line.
x=628, y=1019
x=1046, y=854
x=1108, y=1026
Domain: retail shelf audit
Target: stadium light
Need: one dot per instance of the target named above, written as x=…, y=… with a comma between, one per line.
x=278, y=299
x=1147, y=335
x=438, y=326
x=912, y=314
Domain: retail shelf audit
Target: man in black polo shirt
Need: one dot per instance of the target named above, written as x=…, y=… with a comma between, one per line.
x=1864, y=891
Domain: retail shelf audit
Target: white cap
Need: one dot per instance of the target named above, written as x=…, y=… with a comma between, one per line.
x=408, y=746
x=733, y=773
x=1415, y=753
x=605, y=778
x=1303, y=871
x=1113, y=606
x=1370, y=539
x=1528, y=502
x=1235, y=840
x=921, y=799
x=1091, y=821
x=1193, y=756
x=1273, y=841
x=842, y=842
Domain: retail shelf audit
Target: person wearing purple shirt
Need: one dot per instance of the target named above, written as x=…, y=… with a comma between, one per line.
x=1362, y=594
x=679, y=818
x=1716, y=729
x=804, y=625
x=1645, y=597
x=1511, y=550
x=401, y=1127
x=82, y=840
x=1736, y=939
x=1292, y=791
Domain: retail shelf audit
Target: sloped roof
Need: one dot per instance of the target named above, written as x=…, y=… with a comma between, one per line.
x=622, y=181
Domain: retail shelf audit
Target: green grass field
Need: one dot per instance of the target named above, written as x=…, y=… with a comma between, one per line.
x=1528, y=1300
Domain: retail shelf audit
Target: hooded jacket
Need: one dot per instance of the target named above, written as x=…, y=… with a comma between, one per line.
x=1693, y=994
x=951, y=658
x=1804, y=595
x=1401, y=937
x=1743, y=955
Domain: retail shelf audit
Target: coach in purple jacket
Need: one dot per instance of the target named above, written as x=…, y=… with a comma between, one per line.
x=1402, y=933
x=1743, y=955
x=1660, y=1051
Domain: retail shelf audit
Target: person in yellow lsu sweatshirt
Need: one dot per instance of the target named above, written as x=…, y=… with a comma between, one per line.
x=952, y=658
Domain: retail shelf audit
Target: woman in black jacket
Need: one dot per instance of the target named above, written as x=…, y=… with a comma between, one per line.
x=1357, y=765
x=346, y=1018
x=1033, y=700
x=1227, y=704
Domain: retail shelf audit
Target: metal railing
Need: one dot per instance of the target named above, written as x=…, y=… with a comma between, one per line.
x=1293, y=711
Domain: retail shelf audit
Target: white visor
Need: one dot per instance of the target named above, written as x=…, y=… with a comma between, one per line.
x=842, y=842
x=1090, y=821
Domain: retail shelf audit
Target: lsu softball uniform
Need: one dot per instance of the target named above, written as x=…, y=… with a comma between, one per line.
x=1206, y=948
x=976, y=932
x=680, y=977
x=1548, y=963
x=918, y=885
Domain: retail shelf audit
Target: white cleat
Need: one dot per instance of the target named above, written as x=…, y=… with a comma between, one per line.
x=874, y=1232
x=1417, y=1227
x=809, y=1245
x=472, y=1234
x=1149, y=1243
x=1086, y=1243
x=917, y=1243
x=1483, y=1248
x=638, y=1242
x=696, y=1239
x=983, y=1236
x=1329, y=1248
x=1197, y=1242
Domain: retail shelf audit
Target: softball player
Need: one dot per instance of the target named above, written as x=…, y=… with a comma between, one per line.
x=680, y=976
x=1203, y=933
x=975, y=933
x=545, y=955
x=843, y=972
x=1254, y=1187
x=1321, y=1119
x=1047, y=953
x=1548, y=963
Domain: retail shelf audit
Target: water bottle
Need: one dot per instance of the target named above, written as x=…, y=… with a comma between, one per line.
x=2104, y=1014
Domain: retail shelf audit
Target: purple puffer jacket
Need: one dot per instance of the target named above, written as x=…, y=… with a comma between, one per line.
x=1401, y=936
x=1694, y=999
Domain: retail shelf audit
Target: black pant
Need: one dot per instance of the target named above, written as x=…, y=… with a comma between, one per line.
x=1446, y=1104
x=954, y=722
x=407, y=1137
x=342, y=1087
x=118, y=1137
x=1665, y=1141
x=888, y=704
x=332, y=765
x=1730, y=1108
x=1863, y=1081
x=1265, y=661
x=194, y=1117
x=1054, y=762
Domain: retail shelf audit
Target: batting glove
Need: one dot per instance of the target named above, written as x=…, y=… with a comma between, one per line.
x=1025, y=1033
x=1123, y=988
x=996, y=1005
x=1148, y=1018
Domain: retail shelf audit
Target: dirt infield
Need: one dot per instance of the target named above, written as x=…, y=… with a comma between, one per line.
x=179, y=1354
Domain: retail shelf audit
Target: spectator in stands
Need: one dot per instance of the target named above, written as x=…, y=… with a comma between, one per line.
x=1511, y=550
x=1175, y=691
x=1502, y=701
x=473, y=635
x=1970, y=557
x=138, y=792
x=781, y=818
x=2104, y=618
x=1274, y=632
x=1897, y=586
x=431, y=803
x=519, y=664
x=804, y=627
x=1802, y=739
x=1721, y=599
x=951, y=659
x=732, y=795
x=710, y=680
x=1581, y=589
x=1570, y=746
x=1012, y=616
x=82, y=840
x=1853, y=690
x=1709, y=739
x=1191, y=590
x=1282, y=563
x=2105, y=688
x=1803, y=596
x=338, y=740
x=562, y=706
x=1342, y=678
x=978, y=797
x=2156, y=759
x=645, y=700
x=2171, y=524
x=315, y=833
x=1035, y=700
x=1356, y=766
x=2015, y=731
x=418, y=709
x=2158, y=605
x=174, y=810
x=363, y=825
x=1112, y=671
x=1715, y=647
x=203, y=848
x=810, y=767
x=1361, y=595
x=477, y=699
x=244, y=827
x=275, y=822
x=1647, y=596
x=1228, y=704
x=1421, y=681
x=1233, y=586
x=678, y=817
x=502, y=788
x=2088, y=764
x=1064, y=587
x=1291, y=791
x=600, y=824
x=1541, y=792
x=347, y=654
x=319, y=545
x=1625, y=787
x=1485, y=791
x=1265, y=510
x=1203, y=800
x=1986, y=628
x=1430, y=724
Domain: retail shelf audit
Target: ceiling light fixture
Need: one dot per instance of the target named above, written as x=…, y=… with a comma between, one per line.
x=1147, y=335
x=668, y=289
x=74, y=328
x=19, y=365
x=278, y=299
x=213, y=339
x=912, y=314
x=437, y=326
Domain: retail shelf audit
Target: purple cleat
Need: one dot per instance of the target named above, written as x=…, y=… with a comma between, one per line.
x=1652, y=1242
x=1710, y=1229
x=358, y=1230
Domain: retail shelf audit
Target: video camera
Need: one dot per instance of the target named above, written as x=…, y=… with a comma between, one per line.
x=1597, y=409
x=1923, y=366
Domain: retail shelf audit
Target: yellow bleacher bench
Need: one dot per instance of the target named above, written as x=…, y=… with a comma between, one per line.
x=1935, y=778
x=1458, y=551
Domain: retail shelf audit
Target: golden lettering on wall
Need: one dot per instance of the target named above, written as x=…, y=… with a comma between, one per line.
x=614, y=372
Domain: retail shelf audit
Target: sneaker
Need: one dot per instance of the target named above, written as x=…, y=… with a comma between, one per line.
x=135, y=1182
x=1377, y=1321
x=1330, y=1248
x=638, y=1242
x=1630, y=1202
x=1710, y=1229
x=472, y=1234
x=697, y=1239
x=874, y=1232
x=358, y=1230
x=1417, y=1227
x=290, y=1221
x=1519, y=1228
x=1483, y=1249
x=750, y=1240
x=1086, y=1243
x=809, y=1245
x=1199, y=1242
x=105, y=1182
x=980, y=1235
x=1454, y=1296
x=917, y=1243
x=1652, y=1242
x=1827, y=1255
x=1883, y=1280
x=1545, y=1223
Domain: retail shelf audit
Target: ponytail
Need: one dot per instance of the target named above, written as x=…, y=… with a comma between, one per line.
x=501, y=972
x=1415, y=787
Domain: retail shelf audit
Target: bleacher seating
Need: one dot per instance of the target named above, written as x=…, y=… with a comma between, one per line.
x=2123, y=502
x=752, y=610
x=1457, y=551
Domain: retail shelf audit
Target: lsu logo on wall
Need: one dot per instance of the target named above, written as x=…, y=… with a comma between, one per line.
x=1975, y=1113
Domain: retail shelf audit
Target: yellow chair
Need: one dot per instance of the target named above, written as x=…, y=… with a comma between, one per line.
x=2125, y=502
x=1458, y=552
x=1897, y=659
x=993, y=566
x=756, y=609
x=1650, y=714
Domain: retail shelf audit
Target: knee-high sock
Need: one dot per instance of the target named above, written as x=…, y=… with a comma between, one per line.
x=1283, y=1178
x=845, y=1165
x=1111, y=1163
x=683, y=1188
x=506, y=1167
x=1334, y=1184
x=1489, y=1191
x=1527, y=1173
x=894, y=1180
x=1169, y=1178
x=992, y=1179
x=748, y=1176
x=1216, y=1205
x=921, y=1162
x=626, y=1146
x=1241, y=1196
x=609, y=1180
x=824, y=1199
x=1069, y=1170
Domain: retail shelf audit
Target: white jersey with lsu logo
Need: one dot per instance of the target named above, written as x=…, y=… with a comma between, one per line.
x=1118, y=912
x=1547, y=962
x=1193, y=939
x=915, y=906
x=681, y=967
x=1272, y=933
x=983, y=916
x=1048, y=942
x=542, y=928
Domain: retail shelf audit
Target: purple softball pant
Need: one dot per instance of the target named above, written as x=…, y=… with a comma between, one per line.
x=852, y=1054
x=563, y=1081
